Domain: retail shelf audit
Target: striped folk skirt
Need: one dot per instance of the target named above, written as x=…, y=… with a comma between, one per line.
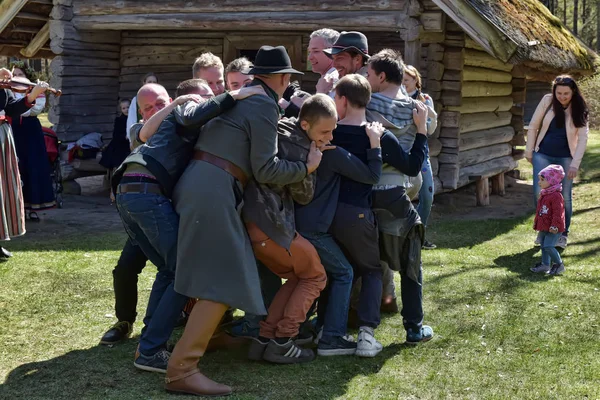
x=12, y=213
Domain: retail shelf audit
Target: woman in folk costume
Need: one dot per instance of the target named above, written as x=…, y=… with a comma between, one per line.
x=12, y=214
x=34, y=167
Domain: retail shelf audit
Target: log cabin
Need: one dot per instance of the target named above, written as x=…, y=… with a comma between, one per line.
x=476, y=57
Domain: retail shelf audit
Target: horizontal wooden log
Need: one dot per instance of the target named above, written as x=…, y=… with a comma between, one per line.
x=86, y=72
x=435, y=146
x=483, y=89
x=449, y=132
x=175, y=41
x=435, y=166
x=180, y=58
x=194, y=50
x=60, y=12
x=449, y=142
x=482, y=59
x=435, y=70
x=433, y=21
x=485, y=169
x=431, y=37
x=471, y=44
x=435, y=52
x=482, y=154
x=518, y=154
x=486, y=75
x=453, y=75
x=484, y=138
x=100, y=110
x=119, y=7
x=449, y=119
x=61, y=62
x=452, y=86
x=454, y=58
x=451, y=98
x=448, y=158
x=448, y=174
x=483, y=104
x=388, y=21
x=519, y=97
x=432, y=86
x=74, y=47
x=65, y=30
x=480, y=121
x=519, y=139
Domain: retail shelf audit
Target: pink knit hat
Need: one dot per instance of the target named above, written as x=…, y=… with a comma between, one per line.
x=553, y=173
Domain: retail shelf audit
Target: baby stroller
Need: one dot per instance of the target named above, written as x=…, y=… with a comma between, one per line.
x=53, y=151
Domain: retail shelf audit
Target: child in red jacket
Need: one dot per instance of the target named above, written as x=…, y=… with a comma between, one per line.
x=550, y=219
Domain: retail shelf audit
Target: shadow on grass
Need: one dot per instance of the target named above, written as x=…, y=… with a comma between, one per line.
x=102, y=372
x=521, y=262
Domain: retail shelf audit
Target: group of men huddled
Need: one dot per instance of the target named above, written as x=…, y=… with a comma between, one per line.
x=229, y=192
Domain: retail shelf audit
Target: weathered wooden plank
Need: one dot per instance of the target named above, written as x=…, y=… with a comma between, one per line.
x=485, y=169
x=431, y=37
x=435, y=146
x=168, y=40
x=480, y=121
x=63, y=13
x=482, y=154
x=433, y=21
x=454, y=58
x=435, y=52
x=519, y=139
x=65, y=30
x=486, y=75
x=451, y=98
x=435, y=70
x=290, y=20
x=453, y=86
x=83, y=81
x=453, y=75
x=412, y=52
x=119, y=7
x=61, y=62
x=183, y=48
x=449, y=174
x=483, y=104
x=449, y=119
x=75, y=45
x=482, y=59
x=471, y=44
x=483, y=89
x=8, y=10
x=449, y=142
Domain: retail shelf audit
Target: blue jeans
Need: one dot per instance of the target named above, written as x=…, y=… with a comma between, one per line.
x=151, y=222
x=549, y=253
x=411, y=292
x=426, y=191
x=541, y=161
x=334, y=303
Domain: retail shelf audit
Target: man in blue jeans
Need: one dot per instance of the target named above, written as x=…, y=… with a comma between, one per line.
x=143, y=187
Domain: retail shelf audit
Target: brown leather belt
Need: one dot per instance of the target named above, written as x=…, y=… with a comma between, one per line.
x=225, y=165
x=140, y=187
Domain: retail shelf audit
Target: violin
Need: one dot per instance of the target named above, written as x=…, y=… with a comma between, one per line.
x=24, y=85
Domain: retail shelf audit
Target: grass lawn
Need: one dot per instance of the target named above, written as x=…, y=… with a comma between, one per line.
x=501, y=331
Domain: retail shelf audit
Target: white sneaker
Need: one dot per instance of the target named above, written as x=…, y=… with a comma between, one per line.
x=562, y=242
x=367, y=345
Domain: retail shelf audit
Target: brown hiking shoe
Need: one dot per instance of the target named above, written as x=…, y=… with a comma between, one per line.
x=287, y=353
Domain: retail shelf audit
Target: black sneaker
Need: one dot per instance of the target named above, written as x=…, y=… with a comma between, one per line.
x=257, y=348
x=427, y=245
x=336, y=346
x=287, y=353
x=154, y=363
x=119, y=331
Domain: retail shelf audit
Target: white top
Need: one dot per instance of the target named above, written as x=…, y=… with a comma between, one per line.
x=132, y=116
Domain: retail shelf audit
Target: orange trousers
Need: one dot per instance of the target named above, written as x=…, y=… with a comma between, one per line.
x=305, y=275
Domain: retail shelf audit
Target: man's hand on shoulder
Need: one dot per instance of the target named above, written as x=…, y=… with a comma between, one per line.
x=196, y=98
x=244, y=92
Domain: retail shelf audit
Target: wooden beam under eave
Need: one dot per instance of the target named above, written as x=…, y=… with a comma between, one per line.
x=8, y=10
x=248, y=21
x=40, y=39
x=481, y=30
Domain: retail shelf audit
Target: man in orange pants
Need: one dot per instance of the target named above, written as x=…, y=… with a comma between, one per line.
x=269, y=216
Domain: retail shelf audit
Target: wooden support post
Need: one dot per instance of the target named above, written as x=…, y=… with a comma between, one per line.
x=498, y=185
x=483, y=192
x=8, y=10
x=37, y=42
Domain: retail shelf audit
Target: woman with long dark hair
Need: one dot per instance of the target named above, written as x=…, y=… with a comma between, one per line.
x=558, y=134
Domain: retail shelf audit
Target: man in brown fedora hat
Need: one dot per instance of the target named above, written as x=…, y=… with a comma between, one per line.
x=350, y=53
x=215, y=261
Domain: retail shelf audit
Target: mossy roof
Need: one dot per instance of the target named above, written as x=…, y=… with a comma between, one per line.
x=528, y=22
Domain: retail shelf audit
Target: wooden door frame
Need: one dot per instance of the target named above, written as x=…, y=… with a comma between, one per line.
x=233, y=43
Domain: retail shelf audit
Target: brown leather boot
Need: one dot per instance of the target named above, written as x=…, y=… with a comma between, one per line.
x=183, y=375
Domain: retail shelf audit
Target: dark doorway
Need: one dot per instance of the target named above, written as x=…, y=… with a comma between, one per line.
x=249, y=54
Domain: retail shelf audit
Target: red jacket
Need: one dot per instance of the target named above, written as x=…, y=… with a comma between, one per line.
x=550, y=212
